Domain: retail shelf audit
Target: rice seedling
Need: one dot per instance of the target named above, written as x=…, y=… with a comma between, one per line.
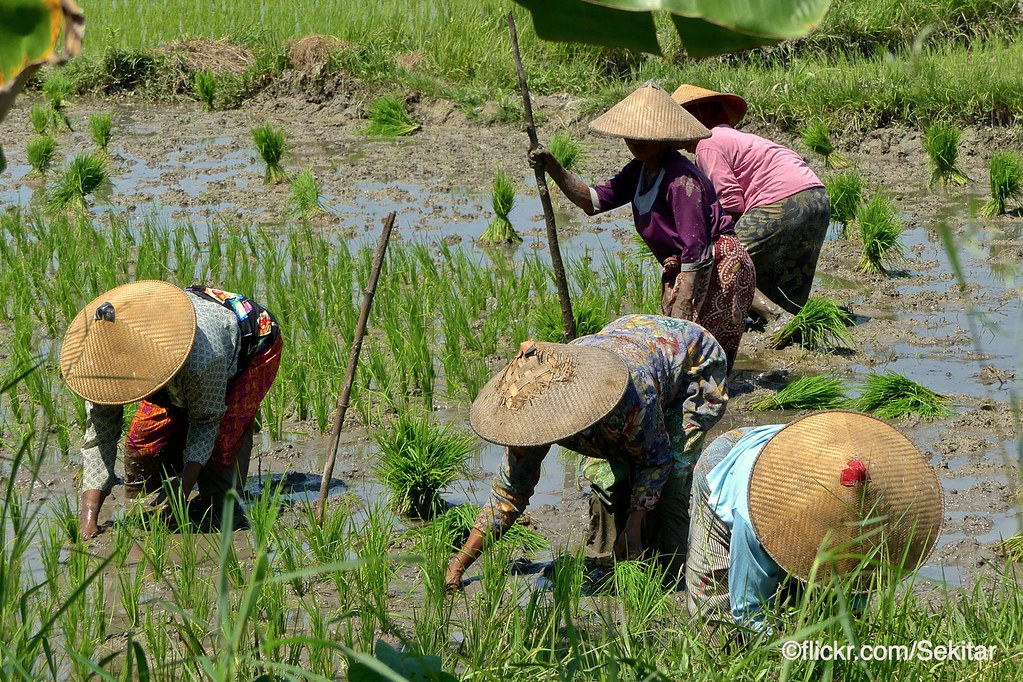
x=58, y=90
x=502, y=199
x=880, y=229
x=892, y=395
x=40, y=153
x=99, y=127
x=821, y=392
x=639, y=584
x=455, y=524
x=845, y=190
x=83, y=176
x=1006, y=175
x=566, y=150
x=820, y=325
x=548, y=325
x=388, y=118
x=941, y=142
x=305, y=193
x=263, y=511
x=271, y=145
x=204, y=84
x=1013, y=548
x=817, y=137
x=418, y=458
x=41, y=116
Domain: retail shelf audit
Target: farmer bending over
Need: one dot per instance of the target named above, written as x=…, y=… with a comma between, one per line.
x=767, y=498
x=636, y=398
x=200, y=361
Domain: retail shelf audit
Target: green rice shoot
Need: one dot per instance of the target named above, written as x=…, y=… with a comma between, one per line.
x=1013, y=548
x=388, y=118
x=845, y=190
x=418, y=458
x=40, y=152
x=820, y=392
x=58, y=90
x=589, y=314
x=817, y=137
x=41, y=116
x=820, y=325
x=100, y=126
x=502, y=199
x=941, y=142
x=204, y=84
x=271, y=145
x=1006, y=175
x=457, y=523
x=82, y=177
x=892, y=395
x=566, y=150
x=880, y=229
x=305, y=193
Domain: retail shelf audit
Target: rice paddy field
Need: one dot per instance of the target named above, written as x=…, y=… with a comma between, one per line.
x=203, y=142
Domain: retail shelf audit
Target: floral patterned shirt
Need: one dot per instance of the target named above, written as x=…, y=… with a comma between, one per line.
x=677, y=373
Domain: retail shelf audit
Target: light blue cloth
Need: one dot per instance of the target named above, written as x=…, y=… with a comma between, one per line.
x=753, y=576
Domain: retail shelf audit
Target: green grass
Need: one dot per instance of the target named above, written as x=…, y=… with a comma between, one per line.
x=566, y=150
x=941, y=142
x=272, y=147
x=821, y=325
x=502, y=199
x=1006, y=175
x=418, y=458
x=820, y=392
x=388, y=118
x=880, y=231
x=99, y=127
x=305, y=193
x=892, y=395
x=40, y=152
x=204, y=85
x=817, y=137
x=845, y=190
x=85, y=174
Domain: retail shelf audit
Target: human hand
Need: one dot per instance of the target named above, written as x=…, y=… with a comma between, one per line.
x=453, y=577
x=538, y=157
x=629, y=544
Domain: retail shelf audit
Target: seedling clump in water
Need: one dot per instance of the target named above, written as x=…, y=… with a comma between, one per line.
x=892, y=395
x=388, y=118
x=941, y=141
x=817, y=137
x=204, y=83
x=1006, y=175
x=500, y=230
x=822, y=392
x=845, y=190
x=82, y=177
x=819, y=325
x=40, y=153
x=880, y=228
x=305, y=193
x=270, y=143
x=100, y=126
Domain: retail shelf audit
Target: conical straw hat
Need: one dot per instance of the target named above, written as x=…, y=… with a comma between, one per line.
x=548, y=392
x=807, y=492
x=734, y=106
x=130, y=348
x=650, y=114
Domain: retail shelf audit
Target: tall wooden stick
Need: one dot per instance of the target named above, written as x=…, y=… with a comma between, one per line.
x=545, y=196
x=353, y=362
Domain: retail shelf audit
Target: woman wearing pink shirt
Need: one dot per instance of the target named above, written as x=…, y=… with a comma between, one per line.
x=780, y=207
x=707, y=276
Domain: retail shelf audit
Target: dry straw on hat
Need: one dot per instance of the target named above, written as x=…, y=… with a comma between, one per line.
x=128, y=342
x=799, y=503
x=548, y=392
x=734, y=106
x=650, y=114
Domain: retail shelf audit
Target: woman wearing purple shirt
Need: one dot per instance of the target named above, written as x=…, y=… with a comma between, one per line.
x=707, y=275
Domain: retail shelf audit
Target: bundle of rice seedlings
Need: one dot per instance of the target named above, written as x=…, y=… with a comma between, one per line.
x=204, y=84
x=817, y=137
x=457, y=522
x=58, y=90
x=820, y=325
x=271, y=147
x=1006, y=176
x=40, y=153
x=821, y=392
x=41, y=117
x=388, y=118
x=502, y=199
x=100, y=126
x=941, y=142
x=1013, y=548
x=82, y=177
x=845, y=190
x=880, y=228
x=305, y=193
x=548, y=325
x=566, y=150
x=417, y=459
x=892, y=395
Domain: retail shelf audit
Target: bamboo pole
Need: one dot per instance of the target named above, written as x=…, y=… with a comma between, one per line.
x=353, y=362
x=545, y=196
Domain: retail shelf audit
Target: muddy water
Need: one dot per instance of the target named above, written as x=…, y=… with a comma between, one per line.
x=176, y=163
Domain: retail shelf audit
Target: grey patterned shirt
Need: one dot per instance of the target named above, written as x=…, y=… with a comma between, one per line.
x=199, y=388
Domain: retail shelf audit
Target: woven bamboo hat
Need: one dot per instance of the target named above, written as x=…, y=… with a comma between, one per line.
x=650, y=114
x=849, y=483
x=734, y=106
x=549, y=391
x=128, y=343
